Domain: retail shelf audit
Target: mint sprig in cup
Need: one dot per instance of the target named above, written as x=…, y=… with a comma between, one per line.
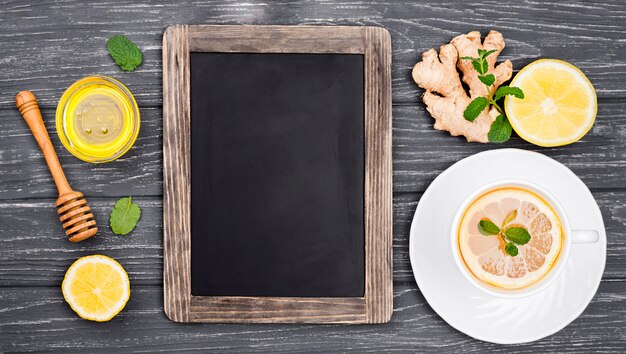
x=511, y=235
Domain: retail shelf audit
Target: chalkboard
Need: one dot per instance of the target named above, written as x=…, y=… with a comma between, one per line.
x=277, y=174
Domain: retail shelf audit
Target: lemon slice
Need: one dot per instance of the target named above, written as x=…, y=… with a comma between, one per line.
x=485, y=256
x=96, y=287
x=559, y=105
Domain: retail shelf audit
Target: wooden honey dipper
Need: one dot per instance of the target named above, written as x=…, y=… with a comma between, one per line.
x=75, y=214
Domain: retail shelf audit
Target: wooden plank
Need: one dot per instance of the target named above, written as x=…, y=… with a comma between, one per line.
x=612, y=206
x=378, y=176
x=67, y=40
x=420, y=153
x=276, y=39
x=24, y=174
x=38, y=319
x=176, y=176
x=34, y=251
x=269, y=309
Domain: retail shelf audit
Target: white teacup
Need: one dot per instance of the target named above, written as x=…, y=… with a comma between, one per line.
x=569, y=237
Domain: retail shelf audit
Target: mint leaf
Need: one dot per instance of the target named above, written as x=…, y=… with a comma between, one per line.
x=512, y=215
x=511, y=249
x=474, y=108
x=124, y=216
x=485, y=66
x=125, y=53
x=517, y=234
x=478, y=66
x=488, y=228
x=488, y=79
x=500, y=130
x=508, y=90
x=485, y=53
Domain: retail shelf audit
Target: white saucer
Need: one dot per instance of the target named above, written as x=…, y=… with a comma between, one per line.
x=493, y=319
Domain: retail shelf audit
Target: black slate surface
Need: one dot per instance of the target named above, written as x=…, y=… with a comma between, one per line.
x=277, y=140
x=46, y=45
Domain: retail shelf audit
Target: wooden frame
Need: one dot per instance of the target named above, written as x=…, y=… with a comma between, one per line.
x=374, y=43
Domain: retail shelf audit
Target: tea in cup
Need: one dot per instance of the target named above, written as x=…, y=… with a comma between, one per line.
x=512, y=238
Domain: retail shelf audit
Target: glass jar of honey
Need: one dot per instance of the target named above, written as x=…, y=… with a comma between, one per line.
x=97, y=119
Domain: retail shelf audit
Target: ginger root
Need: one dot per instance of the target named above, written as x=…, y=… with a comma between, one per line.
x=445, y=97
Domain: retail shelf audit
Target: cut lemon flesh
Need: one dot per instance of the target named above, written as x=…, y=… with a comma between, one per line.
x=559, y=105
x=485, y=256
x=96, y=287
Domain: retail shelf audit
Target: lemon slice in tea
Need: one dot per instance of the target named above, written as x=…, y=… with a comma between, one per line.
x=485, y=256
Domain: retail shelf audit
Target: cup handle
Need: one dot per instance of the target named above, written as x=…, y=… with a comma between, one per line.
x=585, y=236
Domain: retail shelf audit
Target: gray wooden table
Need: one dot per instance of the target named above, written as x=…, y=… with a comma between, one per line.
x=46, y=45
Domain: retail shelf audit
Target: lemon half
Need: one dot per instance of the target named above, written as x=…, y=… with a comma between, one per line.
x=96, y=287
x=559, y=106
